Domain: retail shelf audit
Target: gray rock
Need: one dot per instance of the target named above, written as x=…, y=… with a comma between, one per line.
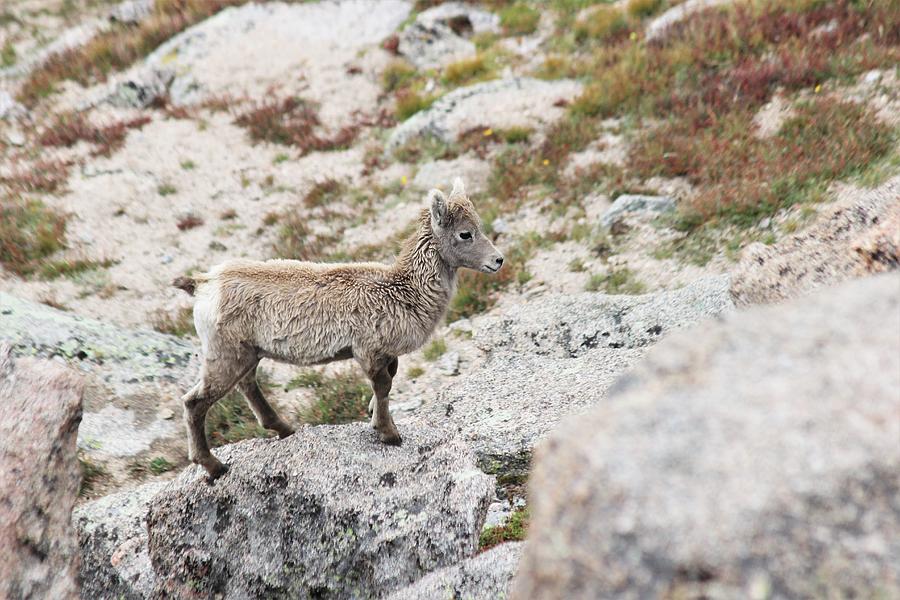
x=433, y=46
x=131, y=12
x=568, y=326
x=129, y=374
x=659, y=27
x=556, y=356
x=502, y=103
x=438, y=35
x=142, y=88
x=754, y=457
x=483, y=577
x=328, y=513
x=633, y=203
x=112, y=533
x=9, y=108
x=856, y=235
x=40, y=408
x=448, y=364
x=245, y=50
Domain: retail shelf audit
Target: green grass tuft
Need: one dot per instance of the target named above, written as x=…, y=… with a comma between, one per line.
x=514, y=530
x=341, y=398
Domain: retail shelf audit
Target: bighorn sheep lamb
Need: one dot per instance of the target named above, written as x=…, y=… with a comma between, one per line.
x=308, y=313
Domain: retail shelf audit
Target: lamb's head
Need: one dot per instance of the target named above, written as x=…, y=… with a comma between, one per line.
x=458, y=233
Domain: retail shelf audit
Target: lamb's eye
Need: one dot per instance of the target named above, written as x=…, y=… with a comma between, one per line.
x=465, y=235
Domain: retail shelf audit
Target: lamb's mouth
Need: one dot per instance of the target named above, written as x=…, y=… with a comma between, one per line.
x=488, y=269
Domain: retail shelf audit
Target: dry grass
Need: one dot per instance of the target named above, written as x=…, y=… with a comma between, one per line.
x=71, y=128
x=188, y=221
x=323, y=193
x=118, y=48
x=47, y=176
x=408, y=102
x=292, y=122
x=54, y=269
x=29, y=232
x=602, y=23
x=741, y=179
x=519, y=19
x=180, y=323
x=466, y=71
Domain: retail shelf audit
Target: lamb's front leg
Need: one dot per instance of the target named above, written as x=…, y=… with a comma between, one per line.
x=382, y=374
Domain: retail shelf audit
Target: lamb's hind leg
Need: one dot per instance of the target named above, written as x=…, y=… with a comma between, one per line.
x=382, y=374
x=213, y=385
x=264, y=412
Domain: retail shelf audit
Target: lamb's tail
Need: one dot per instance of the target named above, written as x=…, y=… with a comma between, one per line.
x=188, y=284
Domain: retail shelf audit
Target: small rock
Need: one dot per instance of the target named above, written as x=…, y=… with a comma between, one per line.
x=872, y=77
x=165, y=414
x=15, y=137
x=498, y=513
x=633, y=203
x=217, y=246
x=142, y=88
x=500, y=225
x=166, y=259
x=9, y=107
x=131, y=12
x=448, y=364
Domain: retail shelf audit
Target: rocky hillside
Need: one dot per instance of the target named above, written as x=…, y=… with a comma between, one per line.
x=652, y=170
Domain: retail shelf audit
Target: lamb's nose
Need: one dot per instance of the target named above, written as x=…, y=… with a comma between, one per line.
x=499, y=261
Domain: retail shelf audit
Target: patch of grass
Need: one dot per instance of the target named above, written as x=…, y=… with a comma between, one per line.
x=29, y=232
x=426, y=147
x=397, y=75
x=519, y=19
x=555, y=66
x=324, y=193
x=408, y=102
x=292, y=122
x=342, y=398
x=231, y=420
x=188, y=221
x=166, y=189
x=643, y=8
x=280, y=158
x=91, y=474
x=160, y=465
x=71, y=128
x=55, y=269
x=46, y=176
x=466, y=71
x=434, y=350
x=180, y=323
x=415, y=372
x=602, y=23
x=618, y=281
x=741, y=179
x=8, y=55
x=515, y=529
x=515, y=135
x=188, y=165
x=576, y=265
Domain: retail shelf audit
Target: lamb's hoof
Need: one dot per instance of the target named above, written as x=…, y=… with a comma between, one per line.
x=391, y=439
x=285, y=432
x=214, y=471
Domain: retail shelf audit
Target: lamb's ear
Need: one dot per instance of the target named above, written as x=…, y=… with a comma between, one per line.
x=459, y=188
x=438, y=204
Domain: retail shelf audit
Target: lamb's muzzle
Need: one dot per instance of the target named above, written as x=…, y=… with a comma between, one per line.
x=308, y=313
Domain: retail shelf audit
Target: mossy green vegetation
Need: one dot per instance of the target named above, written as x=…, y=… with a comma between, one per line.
x=514, y=530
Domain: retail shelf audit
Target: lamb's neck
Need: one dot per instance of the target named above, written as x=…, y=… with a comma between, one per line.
x=420, y=264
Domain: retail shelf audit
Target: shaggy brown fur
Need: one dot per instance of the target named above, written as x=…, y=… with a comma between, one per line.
x=313, y=313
